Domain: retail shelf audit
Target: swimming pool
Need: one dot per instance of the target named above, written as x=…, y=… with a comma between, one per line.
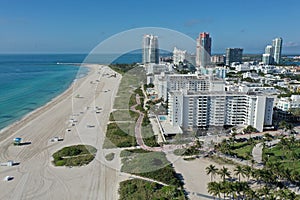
x=162, y=118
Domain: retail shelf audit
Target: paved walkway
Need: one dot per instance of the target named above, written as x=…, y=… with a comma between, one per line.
x=139, y=137
x=142, y=178
x=257, y=152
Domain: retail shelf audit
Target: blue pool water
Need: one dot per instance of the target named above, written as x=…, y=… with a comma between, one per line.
x=162, y=118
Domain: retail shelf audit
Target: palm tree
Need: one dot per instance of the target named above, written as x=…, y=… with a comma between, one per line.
x=285, y=194
x=289, y=127
x=226, y=188
x=224, y=172
x=239, y=171
x=215, y=189
x=250, y=194
x=252, y=162
x=247, y=171
x=294, y=156
x=264, y=192
x=282, y=124
x=295, y=176
x=242, y=187
x=212, y=170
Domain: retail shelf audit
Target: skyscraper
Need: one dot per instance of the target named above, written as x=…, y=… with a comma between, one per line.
x=203, y=50
x=233, y=55
x=272, y=53
x=268, y=55
x=277, y=46
x=150, y=49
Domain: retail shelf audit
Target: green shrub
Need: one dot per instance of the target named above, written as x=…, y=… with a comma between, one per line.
x=141, y=189
x=76, y=155
x=110, y=156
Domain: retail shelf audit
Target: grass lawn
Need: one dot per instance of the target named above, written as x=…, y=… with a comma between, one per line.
x=119, y=135
x=149, y=164
x=243, y=150
x=122, y=102
x=148, y=136
x=123, y=115
x=283, y=156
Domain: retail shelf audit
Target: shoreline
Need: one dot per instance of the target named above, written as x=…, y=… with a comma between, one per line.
x=35, y=172
x=9, y=129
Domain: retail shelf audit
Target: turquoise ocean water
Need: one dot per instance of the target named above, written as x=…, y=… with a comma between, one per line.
x=29, y=81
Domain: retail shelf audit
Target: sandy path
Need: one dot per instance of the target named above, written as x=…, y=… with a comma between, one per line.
x=194, y=175
x=35, y=177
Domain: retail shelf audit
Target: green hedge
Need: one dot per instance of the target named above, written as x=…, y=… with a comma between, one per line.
x=77, y=155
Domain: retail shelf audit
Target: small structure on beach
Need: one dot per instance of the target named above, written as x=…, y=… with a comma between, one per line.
x=17, y=141
x=8, y=163
x=8, y=178
x=56, y=139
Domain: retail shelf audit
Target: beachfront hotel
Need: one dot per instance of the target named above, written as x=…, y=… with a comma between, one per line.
x=150, y=49
x=190, y=109
x=197, y=101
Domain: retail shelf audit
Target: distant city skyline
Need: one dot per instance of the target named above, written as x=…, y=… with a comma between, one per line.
x=68, y=27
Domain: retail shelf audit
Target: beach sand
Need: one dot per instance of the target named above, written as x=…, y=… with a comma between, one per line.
x=36, y=177
x=194, y=175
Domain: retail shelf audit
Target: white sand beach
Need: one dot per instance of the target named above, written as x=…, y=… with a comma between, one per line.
x=36, y=177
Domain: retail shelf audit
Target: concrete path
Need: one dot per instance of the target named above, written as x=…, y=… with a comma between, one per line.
x=139, y=137
x=257, y=152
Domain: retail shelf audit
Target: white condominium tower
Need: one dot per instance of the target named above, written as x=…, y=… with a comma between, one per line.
x=190, y=109
x=277, y=46
x=150, y=49
x=272, y=53
x=192, y=82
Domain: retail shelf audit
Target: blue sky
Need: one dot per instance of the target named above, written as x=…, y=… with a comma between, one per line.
x=62, y=26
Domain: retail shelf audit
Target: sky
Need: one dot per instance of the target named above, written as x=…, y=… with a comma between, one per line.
x=65, y=26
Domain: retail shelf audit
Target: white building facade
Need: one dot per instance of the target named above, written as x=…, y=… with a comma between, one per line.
x=179, y=56
x=203, y=109
x=150, y=49
x=192, y=82
x=288, y=103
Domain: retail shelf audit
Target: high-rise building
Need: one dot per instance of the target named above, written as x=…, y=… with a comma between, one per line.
x=179, y=56
x=234, y=55
x=192, y=82
x=203, y=50
x=272, y=53
x=189, y=109
x=267, y=57
x=218, y=59
x=277, y=46
x=269, y=49
x=150, y=49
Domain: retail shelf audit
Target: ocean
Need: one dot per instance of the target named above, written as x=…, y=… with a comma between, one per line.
x=29, y=81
